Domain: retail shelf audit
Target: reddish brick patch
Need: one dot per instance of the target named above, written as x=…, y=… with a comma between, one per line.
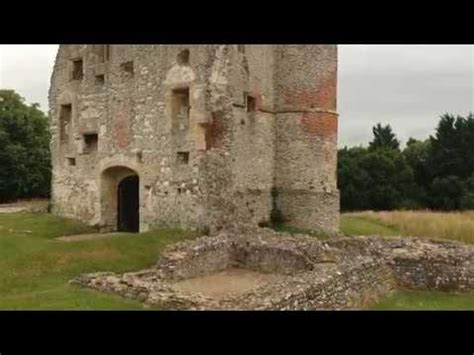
x=322, y=96
x=322, y=125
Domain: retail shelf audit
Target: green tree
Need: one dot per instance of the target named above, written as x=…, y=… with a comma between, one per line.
x=416, y=154
x=447, y=192
x=24, y=154
x=353, y=180
x=384, y=138
x=451, y=160
x=467, y=199
x=390, y=179
x=378, y=177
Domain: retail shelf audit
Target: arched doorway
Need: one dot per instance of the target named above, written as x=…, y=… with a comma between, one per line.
x=120, y=200
x=128, y=219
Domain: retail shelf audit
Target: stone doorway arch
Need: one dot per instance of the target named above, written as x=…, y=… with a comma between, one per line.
x=120, y=200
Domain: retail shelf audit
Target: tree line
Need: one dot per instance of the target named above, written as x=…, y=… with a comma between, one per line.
x=25, y=163
x=436, y=173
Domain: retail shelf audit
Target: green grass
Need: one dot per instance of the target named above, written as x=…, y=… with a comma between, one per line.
x=426, y=300
x=359, y=225
x=35, y=268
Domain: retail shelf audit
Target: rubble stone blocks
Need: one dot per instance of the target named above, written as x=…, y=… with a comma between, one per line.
x=341, y=273
x=217, y=134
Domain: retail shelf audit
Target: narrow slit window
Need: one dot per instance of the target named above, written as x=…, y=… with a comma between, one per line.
x=100, y=51
x=65, y=117
x=251, y=103
x=181, y=108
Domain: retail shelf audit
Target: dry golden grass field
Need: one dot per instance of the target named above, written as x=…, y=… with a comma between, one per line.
x=425, y=224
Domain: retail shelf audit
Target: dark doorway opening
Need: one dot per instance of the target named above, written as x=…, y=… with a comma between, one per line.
x=128, y=205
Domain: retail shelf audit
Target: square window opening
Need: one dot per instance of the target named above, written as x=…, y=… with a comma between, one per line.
x=100, y=79
x=183, y=158
x=128, y=67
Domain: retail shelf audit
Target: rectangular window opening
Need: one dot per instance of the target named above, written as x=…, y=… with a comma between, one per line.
x=91, y=143
x=181, y=108
x=65, y=117
x=77, y=69
x=71, y=161
x=251, y=103
x=107, y=51
x=208, y=136
x=99, y=50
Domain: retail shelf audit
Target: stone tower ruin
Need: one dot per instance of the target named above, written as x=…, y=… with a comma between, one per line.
x=195, y=136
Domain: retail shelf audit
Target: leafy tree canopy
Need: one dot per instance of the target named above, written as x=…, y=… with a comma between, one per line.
x=24, y=154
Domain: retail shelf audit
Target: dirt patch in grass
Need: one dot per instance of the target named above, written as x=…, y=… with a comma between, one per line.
x=4, y=209
x=34, y=205
x=231, y=281
x=93, y=236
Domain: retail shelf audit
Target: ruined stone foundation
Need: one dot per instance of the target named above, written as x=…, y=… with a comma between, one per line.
x=265, y=270
x=195, y=136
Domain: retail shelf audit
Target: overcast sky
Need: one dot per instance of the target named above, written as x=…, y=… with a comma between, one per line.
x=407, y=86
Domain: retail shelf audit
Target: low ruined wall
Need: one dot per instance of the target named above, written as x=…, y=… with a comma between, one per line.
x=342, y=273
x=328, y=286
x=188, y=260
x=435, y=268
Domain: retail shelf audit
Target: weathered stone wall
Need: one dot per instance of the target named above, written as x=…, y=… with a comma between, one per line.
x=306, y=136
x=205, y=127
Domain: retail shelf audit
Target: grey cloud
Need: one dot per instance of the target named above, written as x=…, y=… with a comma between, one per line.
x=407, y=87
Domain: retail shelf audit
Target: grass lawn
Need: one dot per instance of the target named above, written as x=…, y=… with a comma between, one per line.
x=35, y=268
x=426, y=300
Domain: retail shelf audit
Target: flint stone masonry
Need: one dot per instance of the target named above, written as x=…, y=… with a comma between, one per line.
x=217, y=134
x=342, y=273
